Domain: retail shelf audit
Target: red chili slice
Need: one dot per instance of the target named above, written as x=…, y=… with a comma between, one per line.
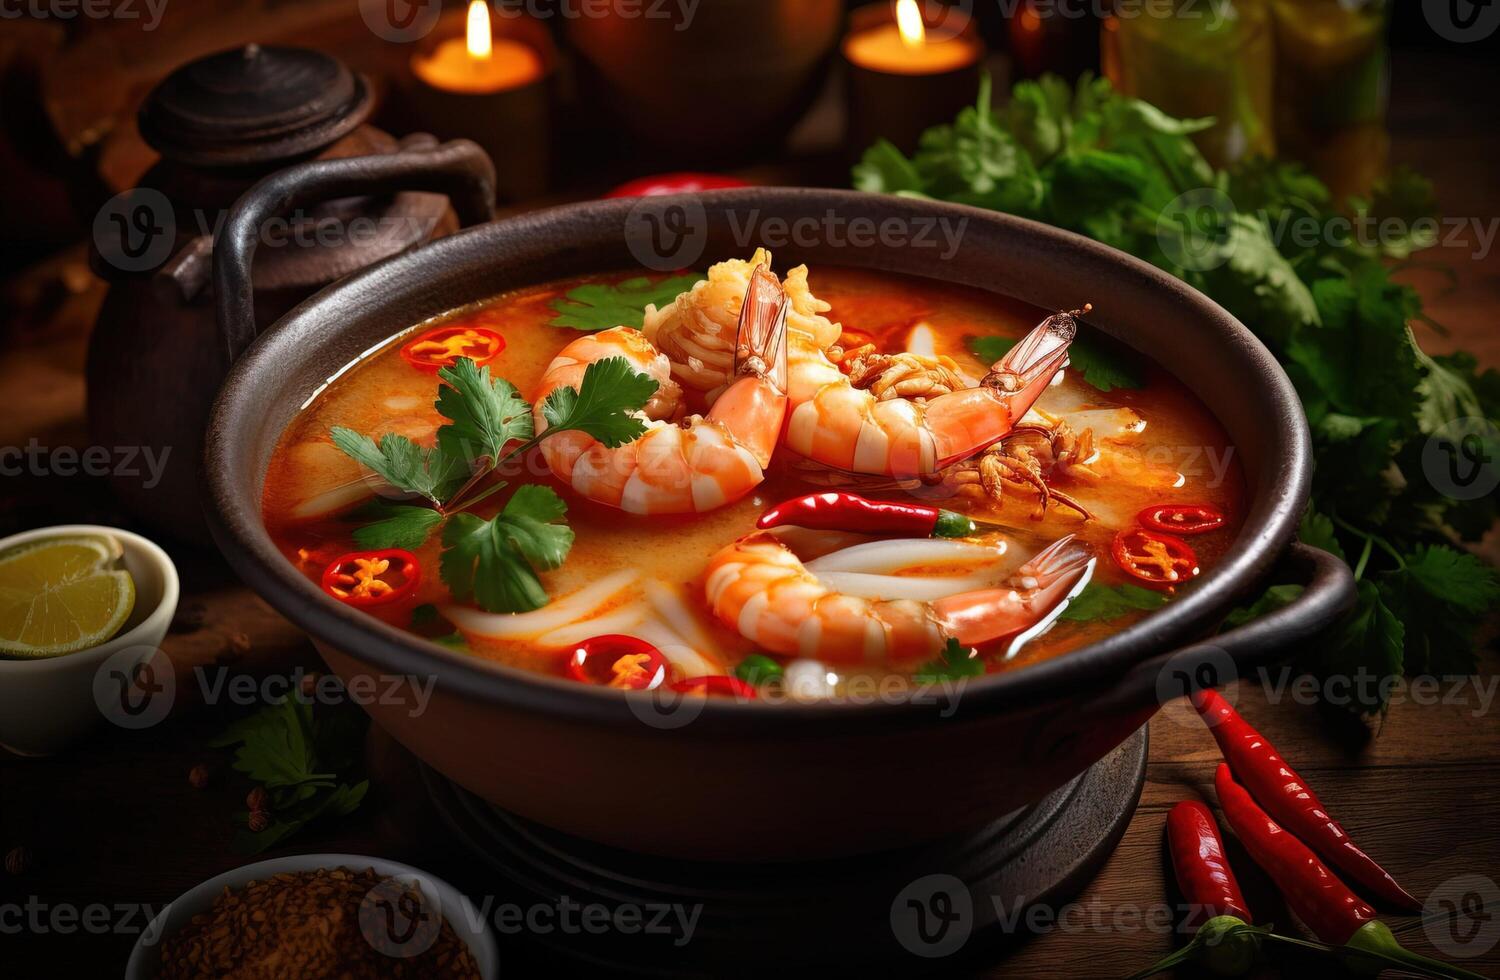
x=716, y=685
x=372, y=578
x=1182, y=518
x=1159, y=559
x=618, y=661
x=439, y=348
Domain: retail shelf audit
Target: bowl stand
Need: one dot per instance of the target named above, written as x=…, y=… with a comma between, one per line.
x=929, y=907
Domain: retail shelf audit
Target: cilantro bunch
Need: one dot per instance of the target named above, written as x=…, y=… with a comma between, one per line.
x=1122, y=172
x=301, y=761
x=494, y=562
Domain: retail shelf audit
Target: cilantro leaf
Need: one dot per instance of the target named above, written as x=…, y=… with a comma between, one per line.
x=954, y=663
x=1441, y=596
x=1456, y=578
x=1099, y=601
x=1367, y=643
x=602, y=403
x=599, y=306
x=495, y=562
x=1275, y=597
x=297, y=758
x=395, y=526
x=484, y=415
x=884, y=169
x=431, y=473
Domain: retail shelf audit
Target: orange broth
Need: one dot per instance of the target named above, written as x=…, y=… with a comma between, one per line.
x=1178, y=455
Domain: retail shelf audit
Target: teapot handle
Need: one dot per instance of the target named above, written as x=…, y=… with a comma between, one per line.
x=459, y=169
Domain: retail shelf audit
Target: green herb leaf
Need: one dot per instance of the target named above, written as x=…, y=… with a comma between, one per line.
x=486, y=415
x=495, y=562
x=954, y=663
x=395, y=526
x=1368, y=643
x=603, y=403
x=299, y=759
x=431, y=473
x=1274, y=598
x=600, y=306
x=757, y=669
x=1104, y=602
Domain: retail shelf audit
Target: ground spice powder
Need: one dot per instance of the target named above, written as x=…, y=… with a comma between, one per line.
x=329, y=922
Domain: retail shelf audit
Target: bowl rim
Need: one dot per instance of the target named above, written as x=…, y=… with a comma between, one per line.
x=234, y=515
x=153, y=623
x=473, y=928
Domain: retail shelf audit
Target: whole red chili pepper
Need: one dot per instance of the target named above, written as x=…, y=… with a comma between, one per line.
x=835, y=511
x=1323, y=902
x=1203, y=871
x=1319, y=898
x=1284, y=794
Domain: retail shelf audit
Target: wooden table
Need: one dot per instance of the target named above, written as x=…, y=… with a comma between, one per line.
x=115, y=822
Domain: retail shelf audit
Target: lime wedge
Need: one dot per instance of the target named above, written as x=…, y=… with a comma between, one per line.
x=61, y=595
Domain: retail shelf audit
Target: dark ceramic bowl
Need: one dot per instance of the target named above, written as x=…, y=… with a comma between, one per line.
x=751, y=781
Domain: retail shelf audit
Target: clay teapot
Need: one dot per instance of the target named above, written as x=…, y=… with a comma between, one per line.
x=222, y=125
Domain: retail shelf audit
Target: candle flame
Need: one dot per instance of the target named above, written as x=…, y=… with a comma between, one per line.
x=909, y=23
x=478, y=32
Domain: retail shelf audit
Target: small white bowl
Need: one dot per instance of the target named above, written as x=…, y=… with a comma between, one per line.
x=46, y=705
x=454, y=905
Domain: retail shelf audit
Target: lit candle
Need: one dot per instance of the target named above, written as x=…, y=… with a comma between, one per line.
x=903, y=47
x=478, y=63
x=905, y=74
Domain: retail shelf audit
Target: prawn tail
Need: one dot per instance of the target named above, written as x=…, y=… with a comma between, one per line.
x=1062, y=559
x=1026, y=371
x=760, y=343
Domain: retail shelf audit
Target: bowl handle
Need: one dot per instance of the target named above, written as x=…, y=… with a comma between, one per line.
x=1328, y=591
x=459, y=169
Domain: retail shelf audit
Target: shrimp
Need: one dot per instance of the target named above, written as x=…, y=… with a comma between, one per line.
x=886, y=428
x=894, y=415
x=759, y=587
x=700, y=462
x=697, y=331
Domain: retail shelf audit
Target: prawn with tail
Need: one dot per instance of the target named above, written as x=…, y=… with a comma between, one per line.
x=760, y=588
x=680, y=465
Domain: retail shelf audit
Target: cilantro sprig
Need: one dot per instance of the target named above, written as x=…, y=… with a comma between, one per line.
x=302, y=762
x=496, y=563
x=1122, y=172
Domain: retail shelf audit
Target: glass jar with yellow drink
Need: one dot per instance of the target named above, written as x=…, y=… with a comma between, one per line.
x=1332, y=81
x=1195, y=58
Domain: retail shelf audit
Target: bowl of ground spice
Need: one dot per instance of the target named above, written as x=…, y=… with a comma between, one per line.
x=314, y=916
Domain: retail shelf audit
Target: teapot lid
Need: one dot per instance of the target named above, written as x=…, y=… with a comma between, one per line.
x=253, y=105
